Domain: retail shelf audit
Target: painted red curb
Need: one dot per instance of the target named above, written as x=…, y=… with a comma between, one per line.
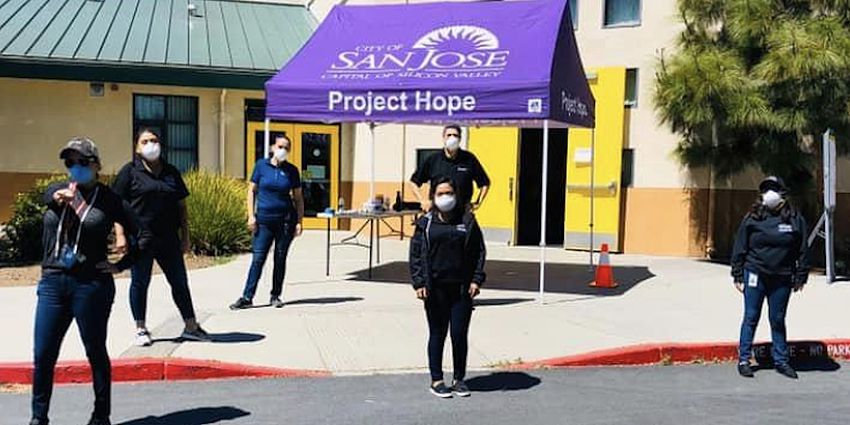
x=149, y=369
x=678, y=353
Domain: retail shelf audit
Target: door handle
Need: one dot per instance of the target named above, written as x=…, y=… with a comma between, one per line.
x=510, y=189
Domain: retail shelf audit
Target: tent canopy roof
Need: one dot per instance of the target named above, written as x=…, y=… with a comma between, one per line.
x=473, y=62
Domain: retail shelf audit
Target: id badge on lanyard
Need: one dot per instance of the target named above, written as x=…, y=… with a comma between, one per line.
x=68, y=255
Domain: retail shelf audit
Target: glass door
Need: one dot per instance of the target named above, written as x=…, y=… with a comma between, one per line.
x=255, y=142
x=316, y=154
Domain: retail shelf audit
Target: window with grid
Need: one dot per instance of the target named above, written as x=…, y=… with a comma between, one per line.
x=175, y=118
x=622, y=13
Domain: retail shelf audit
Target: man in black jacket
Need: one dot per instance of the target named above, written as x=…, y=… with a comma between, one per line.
x=454, y=163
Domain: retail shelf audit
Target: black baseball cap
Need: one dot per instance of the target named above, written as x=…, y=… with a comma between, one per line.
x=82, y=145
x=772, y=183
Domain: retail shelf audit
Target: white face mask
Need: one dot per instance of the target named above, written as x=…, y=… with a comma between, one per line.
x=453, y=143
x=151, y=151
x=445, y=203
x=280, y=154
x=771, y=199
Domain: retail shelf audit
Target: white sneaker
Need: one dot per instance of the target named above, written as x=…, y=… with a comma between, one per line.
x=143, y=338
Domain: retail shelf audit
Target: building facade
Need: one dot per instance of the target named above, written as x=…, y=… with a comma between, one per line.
x=195, y=70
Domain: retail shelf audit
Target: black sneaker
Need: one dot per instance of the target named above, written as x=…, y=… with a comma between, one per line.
x=99, y=421
x=460, y=389
x=240, y=304
x=441, y=390
x=745, y=370
x=36, y=421
x=786, y=370
x=198, y=335
x=276, y=302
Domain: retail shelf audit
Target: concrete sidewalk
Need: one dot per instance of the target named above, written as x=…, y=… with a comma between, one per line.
x=346, y=325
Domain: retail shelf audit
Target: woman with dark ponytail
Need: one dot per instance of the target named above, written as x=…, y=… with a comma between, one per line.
x=769, y=260
x=447, y=256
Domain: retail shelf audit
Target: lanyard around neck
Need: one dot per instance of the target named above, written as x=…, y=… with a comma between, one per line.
x=80, y=229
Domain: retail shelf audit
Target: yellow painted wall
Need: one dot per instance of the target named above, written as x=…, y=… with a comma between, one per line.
x=496, y=149
x=609, y=90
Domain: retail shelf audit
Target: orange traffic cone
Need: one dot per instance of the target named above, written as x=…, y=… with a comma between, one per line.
x=604, y=272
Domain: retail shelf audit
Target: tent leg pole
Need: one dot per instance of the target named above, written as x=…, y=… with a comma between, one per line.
x=592, y=190
x=266, y=137
x=372, y=165
x=543, y=198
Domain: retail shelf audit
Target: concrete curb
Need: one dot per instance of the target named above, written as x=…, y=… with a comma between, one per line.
x=178, y=369
x=149, y=369
x=678, y=353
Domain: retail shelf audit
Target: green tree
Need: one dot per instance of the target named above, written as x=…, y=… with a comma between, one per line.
x=755, y=83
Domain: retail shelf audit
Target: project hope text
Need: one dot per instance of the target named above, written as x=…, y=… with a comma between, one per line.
x=370, y=103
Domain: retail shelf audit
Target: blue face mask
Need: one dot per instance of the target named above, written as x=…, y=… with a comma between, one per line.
x=80, y=174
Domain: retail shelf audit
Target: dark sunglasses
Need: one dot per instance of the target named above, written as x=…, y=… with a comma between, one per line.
x=453, y=135
x=83, y=162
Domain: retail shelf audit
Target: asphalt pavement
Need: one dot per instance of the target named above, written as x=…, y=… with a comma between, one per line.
x=701, y=394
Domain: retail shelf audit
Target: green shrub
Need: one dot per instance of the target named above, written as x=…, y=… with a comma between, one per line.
x=217, y=213
x=216, y=218
x=22, y=240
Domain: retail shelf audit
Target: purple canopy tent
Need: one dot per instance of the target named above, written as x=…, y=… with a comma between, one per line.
x=474, y=63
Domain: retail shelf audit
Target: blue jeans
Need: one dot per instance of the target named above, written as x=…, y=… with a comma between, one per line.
x=777, y=290
x=167, y=253
x=448, y=307
x=62, y=298
x=281, y=233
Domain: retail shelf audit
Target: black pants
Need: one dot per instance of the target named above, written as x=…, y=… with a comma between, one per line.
x=167, y=253
x=61, y=299
x=448, y=305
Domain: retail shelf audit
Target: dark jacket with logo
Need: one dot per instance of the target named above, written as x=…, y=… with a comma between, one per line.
x=445, y=253
x=772, y=245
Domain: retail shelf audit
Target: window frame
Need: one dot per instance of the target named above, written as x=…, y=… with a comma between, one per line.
x=632, y=103
x=574, y=18
x=627, y=24
x=163, y=126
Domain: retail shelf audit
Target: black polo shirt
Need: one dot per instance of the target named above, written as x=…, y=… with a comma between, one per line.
x=464, y=168
x=154, y=198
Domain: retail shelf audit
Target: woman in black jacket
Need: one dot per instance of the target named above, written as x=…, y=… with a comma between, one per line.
x=76, y=277
x=769, y=260
x=447, y=256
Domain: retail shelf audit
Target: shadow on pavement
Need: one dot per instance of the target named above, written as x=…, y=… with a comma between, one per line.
x=222, y=338
x=806, y=356
x=327, y=300
x=487, y=302
x=503, y=381
x=198, y=416
x=523, y=276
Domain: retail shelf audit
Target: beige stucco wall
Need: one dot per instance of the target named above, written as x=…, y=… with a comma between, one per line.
x=38, y=116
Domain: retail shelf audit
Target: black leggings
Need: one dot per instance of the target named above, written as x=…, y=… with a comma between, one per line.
x=445, y=305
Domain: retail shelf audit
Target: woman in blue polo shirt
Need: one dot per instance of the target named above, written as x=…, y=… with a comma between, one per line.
x=274, y=217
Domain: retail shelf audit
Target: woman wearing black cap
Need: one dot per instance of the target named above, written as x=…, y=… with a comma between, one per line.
x=76, y=282
x=447, y=256
x=769, y=260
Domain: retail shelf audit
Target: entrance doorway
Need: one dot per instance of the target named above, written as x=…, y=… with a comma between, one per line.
x=315, y=151
x=530, y=187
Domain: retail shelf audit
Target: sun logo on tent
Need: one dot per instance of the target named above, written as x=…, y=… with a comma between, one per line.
x=468, y=36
